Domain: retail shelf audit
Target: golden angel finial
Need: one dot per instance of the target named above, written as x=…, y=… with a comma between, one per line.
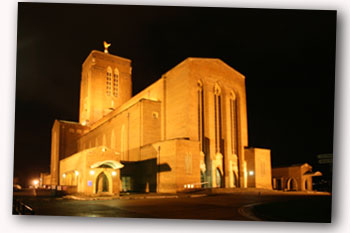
x=106, y=45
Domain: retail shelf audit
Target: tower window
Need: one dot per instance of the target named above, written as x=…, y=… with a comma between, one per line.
x=109, y=81
x=116, y=83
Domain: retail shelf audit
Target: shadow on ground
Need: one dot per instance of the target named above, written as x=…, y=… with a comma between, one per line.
x=308, y=209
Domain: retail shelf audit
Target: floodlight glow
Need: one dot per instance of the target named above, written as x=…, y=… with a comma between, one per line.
x=92, y=172
x=35, y=182
x=76, y=173
x=251, y=173
x=64, y=175
x=114, y=173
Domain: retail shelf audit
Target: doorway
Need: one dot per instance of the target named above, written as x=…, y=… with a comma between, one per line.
x=102, y=185
x=292, y=184
x=218, y=178
x=306, y=185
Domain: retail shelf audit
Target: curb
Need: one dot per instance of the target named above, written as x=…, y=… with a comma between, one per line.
x=247, y=211
x=146, y=197
x=81, y=198
x=71, y=197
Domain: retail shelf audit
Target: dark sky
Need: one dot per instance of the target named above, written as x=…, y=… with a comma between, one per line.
x=287, y=56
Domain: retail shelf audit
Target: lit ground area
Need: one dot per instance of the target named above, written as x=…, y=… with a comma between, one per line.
x=233, y=206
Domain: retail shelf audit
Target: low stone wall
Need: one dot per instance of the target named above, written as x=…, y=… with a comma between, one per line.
x=69, y=189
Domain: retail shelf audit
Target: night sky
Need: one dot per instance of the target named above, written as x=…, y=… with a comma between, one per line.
x=287, y=56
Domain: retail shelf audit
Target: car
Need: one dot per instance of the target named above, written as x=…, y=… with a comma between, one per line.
x=17, y=187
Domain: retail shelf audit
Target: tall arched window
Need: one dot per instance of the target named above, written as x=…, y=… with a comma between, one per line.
x=235, y=131
x=217, y=106
x=113, y=146
x=116, y=83
x=109, y=81
x=200, y=106
x=234, y=123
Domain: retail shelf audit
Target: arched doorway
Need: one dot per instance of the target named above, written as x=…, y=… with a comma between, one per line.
x=306, y=184
x=70, y=179
x=235, y=183
x=292, y=184
x=102, y=185
x=218, y=178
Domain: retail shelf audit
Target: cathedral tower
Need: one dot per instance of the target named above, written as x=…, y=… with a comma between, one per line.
x=105, y=85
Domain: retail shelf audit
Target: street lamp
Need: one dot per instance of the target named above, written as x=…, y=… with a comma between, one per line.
x=35, y=183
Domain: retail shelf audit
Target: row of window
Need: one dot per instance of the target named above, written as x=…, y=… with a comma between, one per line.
x=218, y=119
x=109, y=140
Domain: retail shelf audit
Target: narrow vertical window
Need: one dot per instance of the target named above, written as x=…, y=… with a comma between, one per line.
x=219, y=123
x=104, y=142
x=116, y=83
x=234, y=124
x=123, y=145
x=200, y=106
x=216, y=130
x=190, y=163
x=217, y=110
x=109, y=81
x=113, y=140
x=234, y=132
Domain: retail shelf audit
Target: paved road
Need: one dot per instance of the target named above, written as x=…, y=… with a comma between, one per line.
x=215, y=207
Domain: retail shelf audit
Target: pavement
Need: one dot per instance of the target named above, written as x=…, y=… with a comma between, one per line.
x=211, y=204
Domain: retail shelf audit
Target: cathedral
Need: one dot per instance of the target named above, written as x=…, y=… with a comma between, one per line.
x=188, y=130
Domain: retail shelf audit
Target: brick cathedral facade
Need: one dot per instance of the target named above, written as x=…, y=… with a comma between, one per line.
x=187, y=130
